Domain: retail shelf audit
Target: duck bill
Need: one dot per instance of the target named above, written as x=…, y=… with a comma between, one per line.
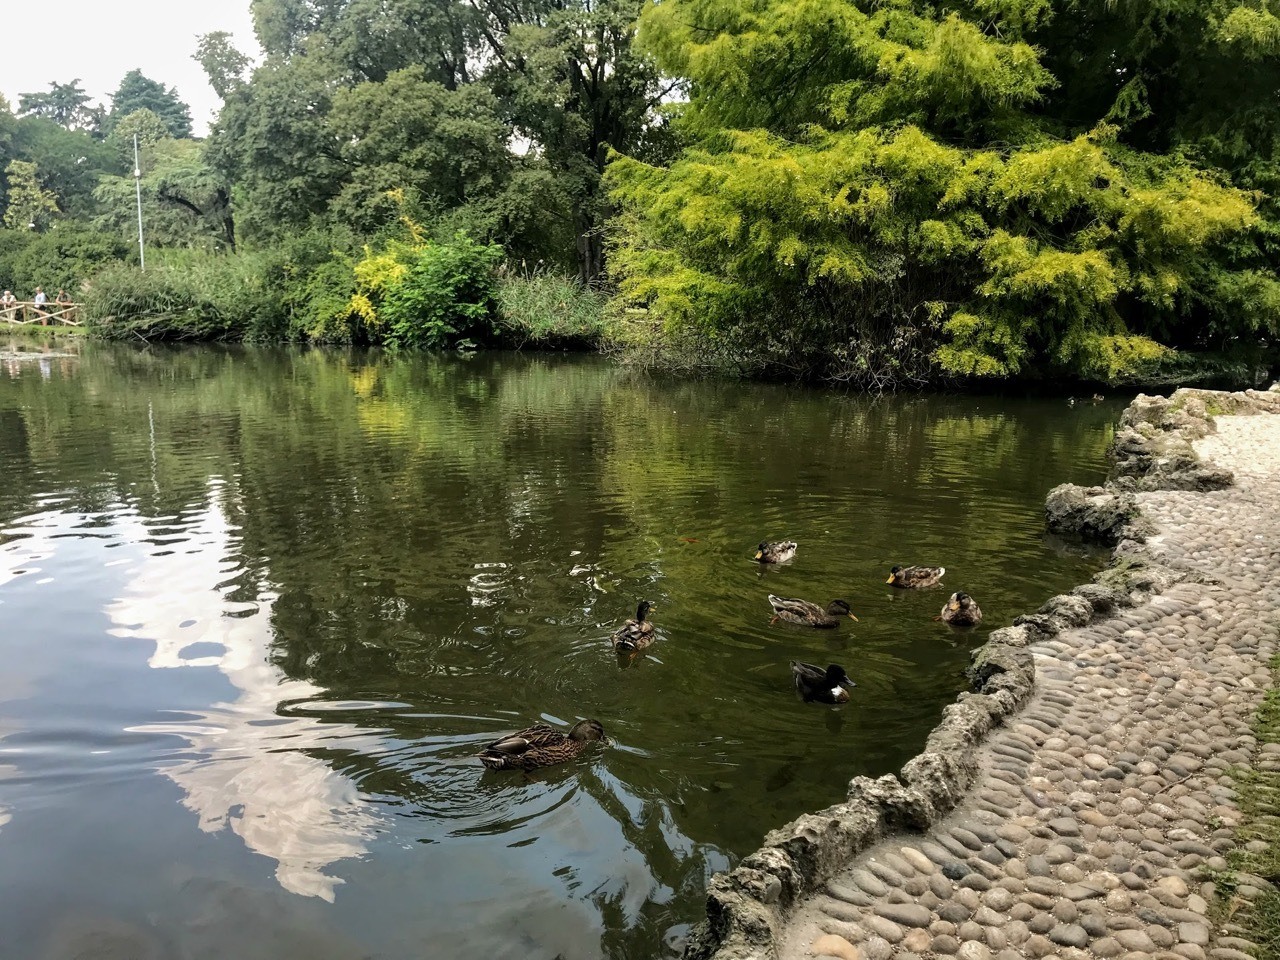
x=953, y=606
x=759, y=554
x=890, y=580
x=852, y=617
x=847, y=684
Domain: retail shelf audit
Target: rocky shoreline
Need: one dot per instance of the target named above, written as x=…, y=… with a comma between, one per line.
x=978, y=848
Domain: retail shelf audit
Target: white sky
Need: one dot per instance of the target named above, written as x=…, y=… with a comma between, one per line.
x=100, y=41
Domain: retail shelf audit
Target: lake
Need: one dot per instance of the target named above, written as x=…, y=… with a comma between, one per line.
x=260, y=608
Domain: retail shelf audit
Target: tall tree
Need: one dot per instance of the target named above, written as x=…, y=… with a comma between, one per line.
x=69, y=161
x=272, y=140
x=28, y=206
x=66, y=104
x=885, y=187
x=137, y=92
x=223, y=64
x=185, y=202
x=577, y=88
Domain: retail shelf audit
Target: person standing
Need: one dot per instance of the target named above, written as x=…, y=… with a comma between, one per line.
x=63, y=300
x=8, y=305
x=40, y=300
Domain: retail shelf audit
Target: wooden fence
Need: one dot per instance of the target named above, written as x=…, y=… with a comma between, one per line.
x=26, y=313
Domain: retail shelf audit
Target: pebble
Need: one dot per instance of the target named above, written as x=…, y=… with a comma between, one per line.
x=906, y=914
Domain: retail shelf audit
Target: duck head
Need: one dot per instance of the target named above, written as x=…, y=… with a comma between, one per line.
x=587, y=730
x=893, y=574
x=840, y=608
x=837, y=677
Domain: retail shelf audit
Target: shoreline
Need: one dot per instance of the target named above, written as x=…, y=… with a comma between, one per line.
x=781, y=900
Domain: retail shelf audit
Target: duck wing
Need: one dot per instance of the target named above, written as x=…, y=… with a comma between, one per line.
x=521, y=742
x=633, y=634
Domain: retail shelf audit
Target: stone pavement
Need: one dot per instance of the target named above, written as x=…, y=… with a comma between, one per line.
x=1106, y=802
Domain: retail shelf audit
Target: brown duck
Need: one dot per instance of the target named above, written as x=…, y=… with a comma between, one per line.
x=961, y=611
x=809, y=614
x=540, y=746
x=777, y=552
x=635, y=634
x=913, y=578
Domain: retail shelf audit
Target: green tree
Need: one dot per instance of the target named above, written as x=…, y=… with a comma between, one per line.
x=871, y=191
x=577, y=88
x=27, y=204
x=137, y=92
x=148, y=127
x=66, y=256
x=223, y=64
x=273, y=142
x=66, y=104
x=447, y=149
x=185, y=202
x=70, y=161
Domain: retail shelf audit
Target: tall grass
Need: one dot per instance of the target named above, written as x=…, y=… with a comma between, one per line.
x=186, y=295
x=543, y=308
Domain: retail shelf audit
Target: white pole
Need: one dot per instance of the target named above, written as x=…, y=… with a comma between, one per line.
x=137, y=182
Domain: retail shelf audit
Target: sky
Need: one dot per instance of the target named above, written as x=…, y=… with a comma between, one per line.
x=100, y=41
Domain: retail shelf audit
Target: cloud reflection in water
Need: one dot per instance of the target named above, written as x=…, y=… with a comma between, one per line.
x=251, y=772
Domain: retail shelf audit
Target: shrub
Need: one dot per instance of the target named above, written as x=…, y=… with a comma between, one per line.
x=427, y=294
x=546, y=308
x=185, y=295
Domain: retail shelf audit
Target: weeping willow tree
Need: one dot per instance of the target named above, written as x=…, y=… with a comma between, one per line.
x=886, y=191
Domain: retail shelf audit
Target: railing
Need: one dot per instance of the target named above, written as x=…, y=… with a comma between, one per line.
x=25, y=313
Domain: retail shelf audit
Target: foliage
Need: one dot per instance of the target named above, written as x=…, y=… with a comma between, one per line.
x=272, y=141
x=864, y=180
x=223, y=64
x=446, y=148
x=27, y=204
x=544, y=308
x=65, y=104
x=137, y=92
x=428, y=294
x=143, y=124
x=185, y=202
x=183, y=296
x=67, y=256
x=360, y=98
x=69, y=161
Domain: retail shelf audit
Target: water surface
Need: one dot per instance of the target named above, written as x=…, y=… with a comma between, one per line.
x=260, y=608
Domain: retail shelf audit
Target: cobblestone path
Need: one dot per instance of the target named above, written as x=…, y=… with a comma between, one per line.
x=1108, y=798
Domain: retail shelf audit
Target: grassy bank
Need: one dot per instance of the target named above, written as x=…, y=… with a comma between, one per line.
x=1248, y=901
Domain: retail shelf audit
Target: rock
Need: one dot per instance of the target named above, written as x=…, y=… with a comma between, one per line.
x=917, y=941
x=831, y=945
x=1089, y=512
x=885, y=929
x=1197, y=933
x=1069, y=935
x=906, y=914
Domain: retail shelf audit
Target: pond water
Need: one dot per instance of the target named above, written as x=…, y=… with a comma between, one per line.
x=259, y=608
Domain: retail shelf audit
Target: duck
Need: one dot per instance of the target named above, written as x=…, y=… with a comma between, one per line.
x=778, y=552
x=831, y=685
x=540, y=746
x=913, y=578
x=961, y=611
x=809, y=614
x=635, y=634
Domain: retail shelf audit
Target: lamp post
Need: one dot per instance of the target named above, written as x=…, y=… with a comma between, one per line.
x=137, y=183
